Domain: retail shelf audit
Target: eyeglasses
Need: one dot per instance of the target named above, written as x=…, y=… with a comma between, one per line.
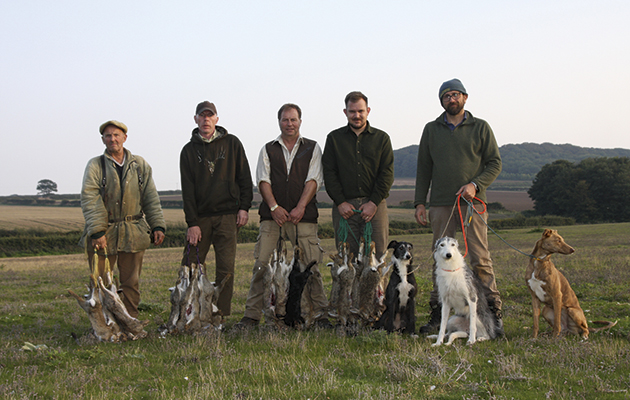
x=453, y=96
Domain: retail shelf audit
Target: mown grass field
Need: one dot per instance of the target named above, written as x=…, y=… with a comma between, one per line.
x=35, y=308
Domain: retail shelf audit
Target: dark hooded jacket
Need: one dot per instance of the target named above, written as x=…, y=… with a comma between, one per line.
x=215, y=177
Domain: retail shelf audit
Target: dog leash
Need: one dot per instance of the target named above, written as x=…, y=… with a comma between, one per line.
x=470, y=205
x=469, y=216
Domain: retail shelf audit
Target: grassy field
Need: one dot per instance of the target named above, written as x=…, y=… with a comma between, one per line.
x=35, y=308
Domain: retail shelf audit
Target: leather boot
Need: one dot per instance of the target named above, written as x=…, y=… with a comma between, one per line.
x=498, y=317
x=434, y=320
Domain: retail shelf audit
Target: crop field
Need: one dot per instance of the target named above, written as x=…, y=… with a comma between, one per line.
x=66, y=219
x=318, y=364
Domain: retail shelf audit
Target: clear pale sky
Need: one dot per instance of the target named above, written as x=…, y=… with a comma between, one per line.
x=537, y=71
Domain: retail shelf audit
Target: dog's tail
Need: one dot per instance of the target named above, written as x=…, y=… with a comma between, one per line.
x=606, y=325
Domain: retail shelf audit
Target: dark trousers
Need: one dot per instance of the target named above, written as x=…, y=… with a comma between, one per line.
x=220, y=232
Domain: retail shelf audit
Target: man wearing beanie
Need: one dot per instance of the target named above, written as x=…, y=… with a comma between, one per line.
x=122, y=211
x=217, y=194
x=458, y=155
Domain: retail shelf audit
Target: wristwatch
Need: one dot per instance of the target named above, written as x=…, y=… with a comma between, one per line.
x=274, y=208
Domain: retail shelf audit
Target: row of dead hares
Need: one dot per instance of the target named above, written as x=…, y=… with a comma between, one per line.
x=284, y=282
x=108, y=315
x=357, y=295
x=193, y=302
x=358, y=285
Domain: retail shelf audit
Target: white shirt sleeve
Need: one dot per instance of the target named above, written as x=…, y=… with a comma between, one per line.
x=263, y=169
x=315, y=171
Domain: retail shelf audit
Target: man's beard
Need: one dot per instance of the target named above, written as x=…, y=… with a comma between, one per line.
x=454, y=109
x=358, y=124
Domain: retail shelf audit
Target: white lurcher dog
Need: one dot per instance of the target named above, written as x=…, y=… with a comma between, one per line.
x=460, y=289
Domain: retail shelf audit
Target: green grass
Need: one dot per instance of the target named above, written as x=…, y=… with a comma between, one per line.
x=35, y=308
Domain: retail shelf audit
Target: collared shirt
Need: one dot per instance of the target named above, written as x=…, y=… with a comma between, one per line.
x=263, y=170
x=451, y=126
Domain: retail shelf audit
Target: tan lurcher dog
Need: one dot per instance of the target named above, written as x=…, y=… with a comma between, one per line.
x=549, y=286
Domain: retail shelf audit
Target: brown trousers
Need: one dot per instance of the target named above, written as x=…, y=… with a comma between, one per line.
x=268, y=236
x=129, y=268
x=220, y=232
x=477, y=237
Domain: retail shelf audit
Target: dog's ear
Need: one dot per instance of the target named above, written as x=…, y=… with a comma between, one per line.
x=392, y=245
x=547, y=233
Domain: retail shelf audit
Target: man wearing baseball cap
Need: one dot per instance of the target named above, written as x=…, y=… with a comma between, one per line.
x=217, y=193
x=122, y=211
x=458, y=155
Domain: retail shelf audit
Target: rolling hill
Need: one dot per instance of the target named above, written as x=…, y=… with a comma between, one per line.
x=521, y=162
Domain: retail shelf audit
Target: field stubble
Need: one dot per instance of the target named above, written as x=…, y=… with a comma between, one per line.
x=65, y=219
x=35, y=307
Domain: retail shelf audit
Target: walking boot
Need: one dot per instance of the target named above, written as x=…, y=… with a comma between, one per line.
x=434, y=320
x=498, y=317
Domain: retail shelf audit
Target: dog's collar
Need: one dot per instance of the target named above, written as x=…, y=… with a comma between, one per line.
x=538, y=258
x=451, y=270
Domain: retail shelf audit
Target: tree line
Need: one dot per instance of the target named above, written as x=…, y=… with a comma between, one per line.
x=593, y=190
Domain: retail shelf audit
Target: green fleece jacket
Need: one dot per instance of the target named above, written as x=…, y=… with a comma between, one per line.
x=215, y=177
x=447, y=160
x=105, y=211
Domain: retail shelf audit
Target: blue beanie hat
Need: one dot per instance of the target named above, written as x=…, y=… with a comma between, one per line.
x=453, y=84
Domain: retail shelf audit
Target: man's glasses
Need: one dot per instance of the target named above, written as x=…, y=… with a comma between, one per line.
x=453, y=96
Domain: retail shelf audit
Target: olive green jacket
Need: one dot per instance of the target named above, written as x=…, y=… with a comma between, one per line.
x=447, y=160
x=105, y=209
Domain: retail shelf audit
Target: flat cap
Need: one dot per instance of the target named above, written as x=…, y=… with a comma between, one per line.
x=117, y=124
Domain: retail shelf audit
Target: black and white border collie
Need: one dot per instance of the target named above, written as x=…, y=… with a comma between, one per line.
x=400, y=304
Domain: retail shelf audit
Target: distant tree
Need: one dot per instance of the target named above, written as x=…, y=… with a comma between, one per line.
x=595, y=190
x=46, y=187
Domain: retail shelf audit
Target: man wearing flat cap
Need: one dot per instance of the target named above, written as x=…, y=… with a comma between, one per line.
x=122, y=211
x=217, y=194
x=458, y=155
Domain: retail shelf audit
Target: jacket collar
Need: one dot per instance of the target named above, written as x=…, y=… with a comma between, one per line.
x=468, y=119
x=126, y=160
x=219, y=133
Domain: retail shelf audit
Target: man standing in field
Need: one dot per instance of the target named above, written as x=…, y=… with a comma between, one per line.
x=217, y=194
x=122, y=211
x=458, y=155
x=358, y=165
x=289, y=174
